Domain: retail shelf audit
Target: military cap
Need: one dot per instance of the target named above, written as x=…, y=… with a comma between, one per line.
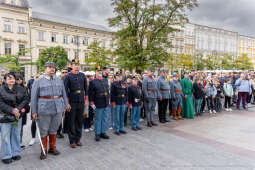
x=50, y=64
x=150, y=69
x=75, y=61
x=98, y=68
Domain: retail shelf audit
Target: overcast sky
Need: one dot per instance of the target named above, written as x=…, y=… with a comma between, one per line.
x=235, y=15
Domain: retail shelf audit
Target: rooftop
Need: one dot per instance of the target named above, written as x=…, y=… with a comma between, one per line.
x=68, y=21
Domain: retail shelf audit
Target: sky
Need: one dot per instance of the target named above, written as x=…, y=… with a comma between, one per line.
x=234, y=15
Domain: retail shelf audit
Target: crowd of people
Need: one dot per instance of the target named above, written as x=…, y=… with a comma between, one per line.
x=75, y=102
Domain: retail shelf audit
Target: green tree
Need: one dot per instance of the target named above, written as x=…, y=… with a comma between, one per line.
x=144, y=26
x=243, y=62
x=185, y=61
x=209, y=62
x=98, y=56
x=227, y=62
x=12, y=62
x=58, y=55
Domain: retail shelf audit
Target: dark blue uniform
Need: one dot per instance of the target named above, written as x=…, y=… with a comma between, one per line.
x=120, y=97
x=99, y=96
x=76, y=88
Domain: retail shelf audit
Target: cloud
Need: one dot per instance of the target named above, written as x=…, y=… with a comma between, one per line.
x=93, y=11
x=234, y=15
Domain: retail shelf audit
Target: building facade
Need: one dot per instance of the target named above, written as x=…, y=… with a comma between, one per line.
x=22, y=28
x=246, y=45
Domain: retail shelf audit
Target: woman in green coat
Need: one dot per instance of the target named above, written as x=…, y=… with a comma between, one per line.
x=187, y=88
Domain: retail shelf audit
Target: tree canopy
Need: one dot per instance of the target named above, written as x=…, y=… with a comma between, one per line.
x=143, y=28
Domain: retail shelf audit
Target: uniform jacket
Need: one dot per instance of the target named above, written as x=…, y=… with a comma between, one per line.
x=150, y=89
x=187, y=87
x=44, y=87
x=10, y=99
x=98, y=93
x=119, y=94
x=76, y=87
x=134, y=95
x=163, y=87
x=175, y=86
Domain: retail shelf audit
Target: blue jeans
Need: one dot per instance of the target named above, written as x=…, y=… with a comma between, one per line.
x=10, y=138
x=110, y=117
x=100, y=120
x=135, y=116
x=119, y=117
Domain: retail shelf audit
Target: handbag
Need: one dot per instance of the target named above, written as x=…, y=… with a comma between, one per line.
x=7, y=118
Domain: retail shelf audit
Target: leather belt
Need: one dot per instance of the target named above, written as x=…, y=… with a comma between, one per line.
x=164, y=89
x=152, y=90
x=177, y=91
x=50, y=97
x=77, y=91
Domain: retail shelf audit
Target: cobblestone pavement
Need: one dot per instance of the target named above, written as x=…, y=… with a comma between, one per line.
x=224, y=142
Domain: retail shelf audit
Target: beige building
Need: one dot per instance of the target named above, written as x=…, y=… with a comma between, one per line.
x=246, y=45
x=24, y=29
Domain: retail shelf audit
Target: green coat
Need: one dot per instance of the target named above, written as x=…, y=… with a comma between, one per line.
x=187, y=109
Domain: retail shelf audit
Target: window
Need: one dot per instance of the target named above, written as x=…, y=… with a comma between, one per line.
x=86, y=56
x=22, y=49
x=86, y=42
x=76, y=54
x=41, y=36
x=53, y=38
x=103, y=43
x=65, y=39
x=8, y=48
x=13, y=2
x=75, y=40
x=8, y=26
x=22, y=28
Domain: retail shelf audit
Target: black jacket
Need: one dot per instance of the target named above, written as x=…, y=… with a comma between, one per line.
x=198, y=91
x=135, y=95
x=118, y=93
x=10, y=99
x=98, y=93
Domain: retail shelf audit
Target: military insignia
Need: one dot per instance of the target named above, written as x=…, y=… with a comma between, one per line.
x=78, y=91
x=105, y=93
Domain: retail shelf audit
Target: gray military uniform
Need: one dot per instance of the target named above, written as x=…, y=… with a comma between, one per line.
x=176, y=93
x=151, y=93
x=48, y=100
x=164, y=88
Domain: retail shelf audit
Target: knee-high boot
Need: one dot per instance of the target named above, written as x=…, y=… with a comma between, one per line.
x=179, y=110
x=52, y=142
x=44, y=143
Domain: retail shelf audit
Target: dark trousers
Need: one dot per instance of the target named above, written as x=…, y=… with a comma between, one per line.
x=59, y=129
x=33, y=129
x=88, y=121
x=66, y=122
x=227, y=102
x=170, y=106
x=203, y=105
x=242, y=96
x=162, y=107
x=75, y=122
x=211, y=103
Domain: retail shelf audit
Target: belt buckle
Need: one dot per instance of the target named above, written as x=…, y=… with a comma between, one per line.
x=105, y=93
x=55, y=97
x=122, y=95
x=78, y=91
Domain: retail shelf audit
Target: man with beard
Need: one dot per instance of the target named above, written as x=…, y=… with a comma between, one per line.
x=76, y=89
x=99, y=100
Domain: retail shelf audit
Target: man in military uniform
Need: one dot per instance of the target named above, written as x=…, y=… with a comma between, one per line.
x=119, y=101
x=48, y=102
x=76, y=88
x=135, y=102
x=164, y=96
x=177, y=95
x=151, y=94
x=99, y=100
